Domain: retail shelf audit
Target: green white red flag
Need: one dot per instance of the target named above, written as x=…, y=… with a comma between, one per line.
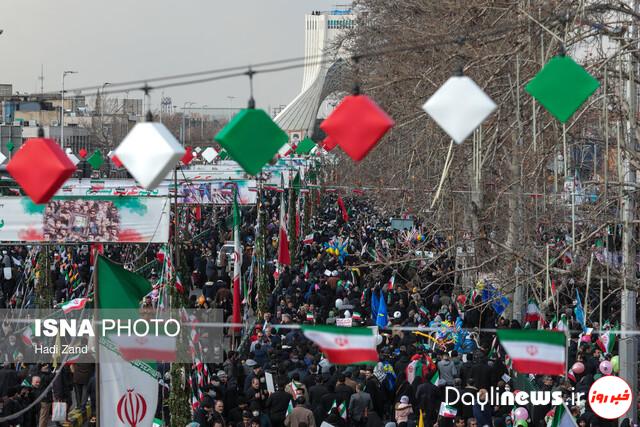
x=606, y=340
x=344, y=346
x=237, y=261
x=74, y=304
x=535, y=351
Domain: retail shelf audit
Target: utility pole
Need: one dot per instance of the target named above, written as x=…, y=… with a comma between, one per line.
x=628, y=345
x=64, y=74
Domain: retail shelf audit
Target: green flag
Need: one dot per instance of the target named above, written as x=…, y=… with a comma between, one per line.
x=119, y=288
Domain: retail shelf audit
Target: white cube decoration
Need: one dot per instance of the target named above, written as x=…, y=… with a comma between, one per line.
x=2, y=158
x=149, y=152
x=74, y=159
x=209, y=154
x=459, y=106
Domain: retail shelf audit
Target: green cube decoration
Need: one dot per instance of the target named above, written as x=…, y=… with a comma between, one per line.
x=10, y=146
x=96, y=160
x=223, y=155
x=252, y=139
x=305, y=146
x=562, y=86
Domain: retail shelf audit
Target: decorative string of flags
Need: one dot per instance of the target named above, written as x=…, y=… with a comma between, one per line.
x=253, y=139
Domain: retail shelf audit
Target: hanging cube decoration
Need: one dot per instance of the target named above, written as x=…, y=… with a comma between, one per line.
x=305, y=146
x=2, y=158
x=40, y=167
x=114, y=159
x=223, y=154
x=329, y=144
x=96, y=160
x=82, y=153
x=198, y=150
x=251, y=138
x=74, y=159
x=209, y=154
x=562, y=86
x=357, y=124
x=188, y=156
x=149, y=152
x=459, y=106
x=10, y=146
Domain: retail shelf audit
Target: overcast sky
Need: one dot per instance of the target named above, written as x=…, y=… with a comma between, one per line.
x=120, y=40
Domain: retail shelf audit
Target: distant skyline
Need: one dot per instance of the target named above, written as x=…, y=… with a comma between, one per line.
x=123, y=40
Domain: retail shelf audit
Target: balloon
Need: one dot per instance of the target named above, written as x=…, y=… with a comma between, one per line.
x=521, y=423
x=615, y=363
x=605, y=367
x=521, y=413
x=378, y=340
x=578, y=367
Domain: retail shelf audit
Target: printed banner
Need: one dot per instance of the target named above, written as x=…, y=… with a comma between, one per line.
x=217, y=192
x=85, y=219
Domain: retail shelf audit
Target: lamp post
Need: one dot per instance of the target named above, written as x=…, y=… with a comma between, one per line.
x=184, y=114
x=202, y=123
x=64, y=74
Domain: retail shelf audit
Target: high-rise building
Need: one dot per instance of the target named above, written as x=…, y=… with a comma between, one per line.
x=298, y=118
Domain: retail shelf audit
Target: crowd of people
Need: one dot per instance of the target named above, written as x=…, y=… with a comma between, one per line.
x=369, y=260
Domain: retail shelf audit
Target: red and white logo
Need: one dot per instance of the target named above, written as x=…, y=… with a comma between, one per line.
x=532, y=350
x=341, y=341
x=610, y=397
x=132, y=408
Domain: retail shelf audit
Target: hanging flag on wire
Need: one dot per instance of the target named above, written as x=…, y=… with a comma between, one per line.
x=535, y=351
x=344, y=346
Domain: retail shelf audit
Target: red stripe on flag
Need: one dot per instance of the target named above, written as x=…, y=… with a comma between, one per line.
x=538, y=367
x=350, y=356
x=141, y=353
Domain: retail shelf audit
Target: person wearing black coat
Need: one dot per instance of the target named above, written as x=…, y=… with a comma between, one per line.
x=277, y=404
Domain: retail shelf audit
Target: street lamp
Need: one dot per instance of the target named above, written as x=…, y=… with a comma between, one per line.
x=184, y=108
x=64, y=74
x=1, y=31
x=202, y=123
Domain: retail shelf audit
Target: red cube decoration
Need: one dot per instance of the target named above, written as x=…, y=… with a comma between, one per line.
x=82, y=152
x=329, y=143
x=188, y=156
x=40, y=167
x=357, y=124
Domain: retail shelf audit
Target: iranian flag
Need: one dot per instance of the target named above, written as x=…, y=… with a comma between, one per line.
x=283, y=242
x=308, y=239
x=237, y=261
x=128, y=391
x=342, y=409
x=414, y=370
x=343, y=209
x=158, y=348
x=344, y=346
x=607, y=340
x=74, y=304
x=27, y=334
x=535, y=351
x=391, y=282
x=533, y=312
x=447, y=411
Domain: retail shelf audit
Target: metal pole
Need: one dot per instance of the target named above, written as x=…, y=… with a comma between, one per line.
x=202, y=123
x=628, y=345
x=64, y=74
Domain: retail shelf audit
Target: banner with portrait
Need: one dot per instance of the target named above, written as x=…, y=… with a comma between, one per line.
x=217, y=192
x=109, y=219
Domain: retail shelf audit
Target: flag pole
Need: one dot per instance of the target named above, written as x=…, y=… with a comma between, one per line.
x=97, y=344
